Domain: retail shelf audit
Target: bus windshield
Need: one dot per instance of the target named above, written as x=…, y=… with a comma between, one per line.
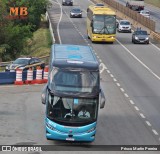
x=65, y=80
x=72, y=109
x=104, y=24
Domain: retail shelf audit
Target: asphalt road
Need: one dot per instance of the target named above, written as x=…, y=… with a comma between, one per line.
x=154, y=13
x=130, y=82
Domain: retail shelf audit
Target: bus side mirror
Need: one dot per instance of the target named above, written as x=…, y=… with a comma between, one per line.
x=102, y=99
x=43, y=95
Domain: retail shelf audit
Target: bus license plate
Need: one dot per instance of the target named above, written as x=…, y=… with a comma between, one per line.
x=70, y=139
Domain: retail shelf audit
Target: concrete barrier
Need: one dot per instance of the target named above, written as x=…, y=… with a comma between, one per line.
x=10, y=77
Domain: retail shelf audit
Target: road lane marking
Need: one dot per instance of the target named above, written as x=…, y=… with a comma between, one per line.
x=114, y=79
x=155, y=46
x=126, y=95
x=154, y=74
x=155, y=132
x=142, y=115
x=111, y=75
x=118, y=84
x=148, y=123
x=59, y=23
x=136, y=108
x=131, y=102
x=122, y=89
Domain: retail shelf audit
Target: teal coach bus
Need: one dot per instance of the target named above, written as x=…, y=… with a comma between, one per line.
x=72, y=94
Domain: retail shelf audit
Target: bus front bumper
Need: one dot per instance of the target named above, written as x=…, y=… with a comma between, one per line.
x=56, y=135
x=103, y=38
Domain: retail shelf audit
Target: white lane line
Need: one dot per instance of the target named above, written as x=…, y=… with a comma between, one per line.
x=122, y=89
x=155, y=132
x=148, y=123
x=84, y=11
x=136, y=108
x=59, y=23
x=118, y=84
x=114, y=79
x=142, y=115
x=131, y=102
x=111, y=75
x=155, y=46
x=139, y=60
x=90, y=1
x=108, y=71
x=100, y=60
x=126, y=95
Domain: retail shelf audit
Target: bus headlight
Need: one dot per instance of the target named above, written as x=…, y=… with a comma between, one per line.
x=94, y=37
x=50, y=127
x=112, y=37
x=91, y=130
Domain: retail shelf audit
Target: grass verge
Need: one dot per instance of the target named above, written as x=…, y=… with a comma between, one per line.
x=40, y=43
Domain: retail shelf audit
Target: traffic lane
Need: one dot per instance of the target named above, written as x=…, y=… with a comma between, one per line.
x=146, y=88
x=119, y=122
x=22, y=118
x=139, y=83
x=68, y=33
x=21, y=115
x=83, y=28
x=147, y=54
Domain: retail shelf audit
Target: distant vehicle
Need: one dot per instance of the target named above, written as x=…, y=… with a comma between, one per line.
x=67, y=2
x=76, y=12
x=145, y=13
x=25, y=64
x=73, y=94
x=101, y=24
x=124, y=26
x=99, y=4
x=140, y=36
x=136, y=5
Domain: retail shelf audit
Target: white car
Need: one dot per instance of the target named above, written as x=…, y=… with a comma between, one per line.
x=124, y=26
x=145, y=13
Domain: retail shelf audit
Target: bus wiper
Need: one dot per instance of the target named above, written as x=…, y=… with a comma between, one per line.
x=104, y=29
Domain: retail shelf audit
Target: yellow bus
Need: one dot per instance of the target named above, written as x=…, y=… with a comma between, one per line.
x=101, y=24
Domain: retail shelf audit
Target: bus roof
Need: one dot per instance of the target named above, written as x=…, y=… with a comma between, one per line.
x=75, y=56
x=101, y=10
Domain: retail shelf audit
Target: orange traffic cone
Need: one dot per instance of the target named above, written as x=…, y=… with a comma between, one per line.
x=18, y=77
x=45, y=74
x=38, y=79
x=29, y=76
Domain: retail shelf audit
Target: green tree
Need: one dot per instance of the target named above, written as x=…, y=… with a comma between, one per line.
x=13, y=33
